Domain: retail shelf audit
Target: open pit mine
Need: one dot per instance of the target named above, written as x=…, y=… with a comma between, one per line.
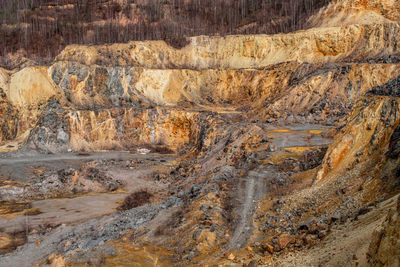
x=238, y=150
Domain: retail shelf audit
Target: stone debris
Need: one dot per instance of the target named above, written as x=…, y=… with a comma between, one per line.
x=277, y=141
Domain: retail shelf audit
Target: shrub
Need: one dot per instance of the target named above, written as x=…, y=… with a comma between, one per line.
x=135, y=199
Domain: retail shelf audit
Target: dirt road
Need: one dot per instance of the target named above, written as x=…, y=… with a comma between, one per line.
x=255, y=183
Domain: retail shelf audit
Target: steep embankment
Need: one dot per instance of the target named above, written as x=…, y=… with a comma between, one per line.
x=359, y=171
x=218, y=101
x=317, y=45
x=211, y=74
x=347, y=12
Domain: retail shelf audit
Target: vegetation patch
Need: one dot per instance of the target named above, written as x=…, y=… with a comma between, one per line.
x=135, y=199
x=8, y=207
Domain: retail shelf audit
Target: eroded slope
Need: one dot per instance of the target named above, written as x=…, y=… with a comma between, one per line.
x=279, y=142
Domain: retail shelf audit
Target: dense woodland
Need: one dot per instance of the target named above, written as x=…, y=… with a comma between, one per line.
x=40, y=29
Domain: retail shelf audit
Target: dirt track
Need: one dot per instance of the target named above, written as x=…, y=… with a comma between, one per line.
x=255, y=183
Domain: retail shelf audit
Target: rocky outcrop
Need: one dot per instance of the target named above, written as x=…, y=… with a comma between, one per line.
x=52, y=134
x=102, y=106
x=8, y=119
x=107, y=93
x=286, y=86
x=347, y=12
x=317, y=45
x=318, y=93
x=8, y=114
x=129, y=127
x=118, y=128
x=367, y=143
x=30, y=87
x=91, y=87
x=29, y=91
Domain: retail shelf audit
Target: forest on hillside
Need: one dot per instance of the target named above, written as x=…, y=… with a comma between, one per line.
x=40, y=29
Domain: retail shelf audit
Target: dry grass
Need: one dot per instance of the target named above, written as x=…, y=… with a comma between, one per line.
x=32, y=212
x=136, y=199
x=8, y=207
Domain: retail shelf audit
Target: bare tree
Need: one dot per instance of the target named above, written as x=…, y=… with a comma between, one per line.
x=43, y=27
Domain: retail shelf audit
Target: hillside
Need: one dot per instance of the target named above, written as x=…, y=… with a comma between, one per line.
x=36, y=31
x=238, y=150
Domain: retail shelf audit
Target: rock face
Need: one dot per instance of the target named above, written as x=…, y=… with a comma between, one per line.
x=8, y=119
x=320, y=93
x=347, y=12
x=52, y=133
x=318, y=45
x=107, y=93
x=218, y=102
x=97, y=86
x=128, y=127
x=370, y=138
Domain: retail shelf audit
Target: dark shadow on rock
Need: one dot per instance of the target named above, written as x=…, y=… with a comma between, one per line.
x=391, y=88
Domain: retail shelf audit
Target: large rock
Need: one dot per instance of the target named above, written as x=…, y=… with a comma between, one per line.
x=52, y=134
x=129, y=127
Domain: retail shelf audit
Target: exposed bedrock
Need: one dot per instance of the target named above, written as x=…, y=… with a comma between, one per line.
x=319, y=93
x=128, y=127
x=117, y=128
x=112, y=107
x=107, y=94
x=294, y=84
x=95, y=86
x=102, y=106
x=367, y=147
x=318, y=45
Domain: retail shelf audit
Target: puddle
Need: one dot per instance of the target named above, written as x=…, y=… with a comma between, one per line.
x=281, y=131
x=299, y=149
x=298, y=139
x=316, y=131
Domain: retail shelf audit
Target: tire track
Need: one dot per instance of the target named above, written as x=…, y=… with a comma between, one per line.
x=254, y=190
